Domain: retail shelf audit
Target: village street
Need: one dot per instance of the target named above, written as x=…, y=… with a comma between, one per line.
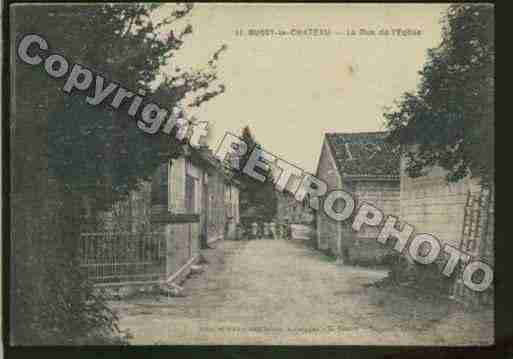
x=283, y=292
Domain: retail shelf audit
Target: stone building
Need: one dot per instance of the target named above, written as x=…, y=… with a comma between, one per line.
x=156, y=234
x=363, y=165
x=219, y=199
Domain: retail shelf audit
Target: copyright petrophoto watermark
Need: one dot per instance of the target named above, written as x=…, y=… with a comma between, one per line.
x=151, y=117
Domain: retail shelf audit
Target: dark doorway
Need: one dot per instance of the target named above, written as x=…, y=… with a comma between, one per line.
x=204, y=214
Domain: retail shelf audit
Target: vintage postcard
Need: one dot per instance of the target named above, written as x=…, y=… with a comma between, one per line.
x=251, y=174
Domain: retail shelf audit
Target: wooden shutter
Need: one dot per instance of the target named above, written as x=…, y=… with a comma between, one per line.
x=177, y=186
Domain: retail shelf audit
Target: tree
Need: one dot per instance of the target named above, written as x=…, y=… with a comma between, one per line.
x=451, y=117
x=257, y=199
x=122, y=42
x=92, y=152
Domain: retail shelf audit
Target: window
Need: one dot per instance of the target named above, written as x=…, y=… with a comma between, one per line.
x=159, y=185
x=190, y=194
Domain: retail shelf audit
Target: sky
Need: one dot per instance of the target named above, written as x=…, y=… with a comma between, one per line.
x=291, y=90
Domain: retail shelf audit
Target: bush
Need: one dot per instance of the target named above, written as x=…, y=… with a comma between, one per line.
x=426, y=277
x=52, y=303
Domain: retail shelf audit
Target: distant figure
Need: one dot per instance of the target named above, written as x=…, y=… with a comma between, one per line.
x=239, y=232
x=260, y=230
x=254, y=230
x=266, y=230
x=272, y=230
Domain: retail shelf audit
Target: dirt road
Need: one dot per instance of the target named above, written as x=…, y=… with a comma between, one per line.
x=282, y=292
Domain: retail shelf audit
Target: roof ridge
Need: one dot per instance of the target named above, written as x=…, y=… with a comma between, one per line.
x=357, y=133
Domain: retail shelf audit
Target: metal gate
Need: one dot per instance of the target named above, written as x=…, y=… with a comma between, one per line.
x=123, y=257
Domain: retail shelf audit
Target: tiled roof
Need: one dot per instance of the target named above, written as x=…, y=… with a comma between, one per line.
x=364, y=155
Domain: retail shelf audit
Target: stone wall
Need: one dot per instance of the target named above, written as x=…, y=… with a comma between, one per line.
x=431, y=205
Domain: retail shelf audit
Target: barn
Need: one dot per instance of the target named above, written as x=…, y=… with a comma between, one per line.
x=363, y=165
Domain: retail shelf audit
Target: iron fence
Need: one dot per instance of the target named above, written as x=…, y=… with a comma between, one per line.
x=122, y=257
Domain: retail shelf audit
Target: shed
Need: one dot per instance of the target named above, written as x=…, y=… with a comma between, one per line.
x=364, y=165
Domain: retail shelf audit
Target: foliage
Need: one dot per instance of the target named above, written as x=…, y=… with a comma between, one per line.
x=257, y=200
x=92, y=152
x=104, y=147
x=450, y=120
x=51, y=301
